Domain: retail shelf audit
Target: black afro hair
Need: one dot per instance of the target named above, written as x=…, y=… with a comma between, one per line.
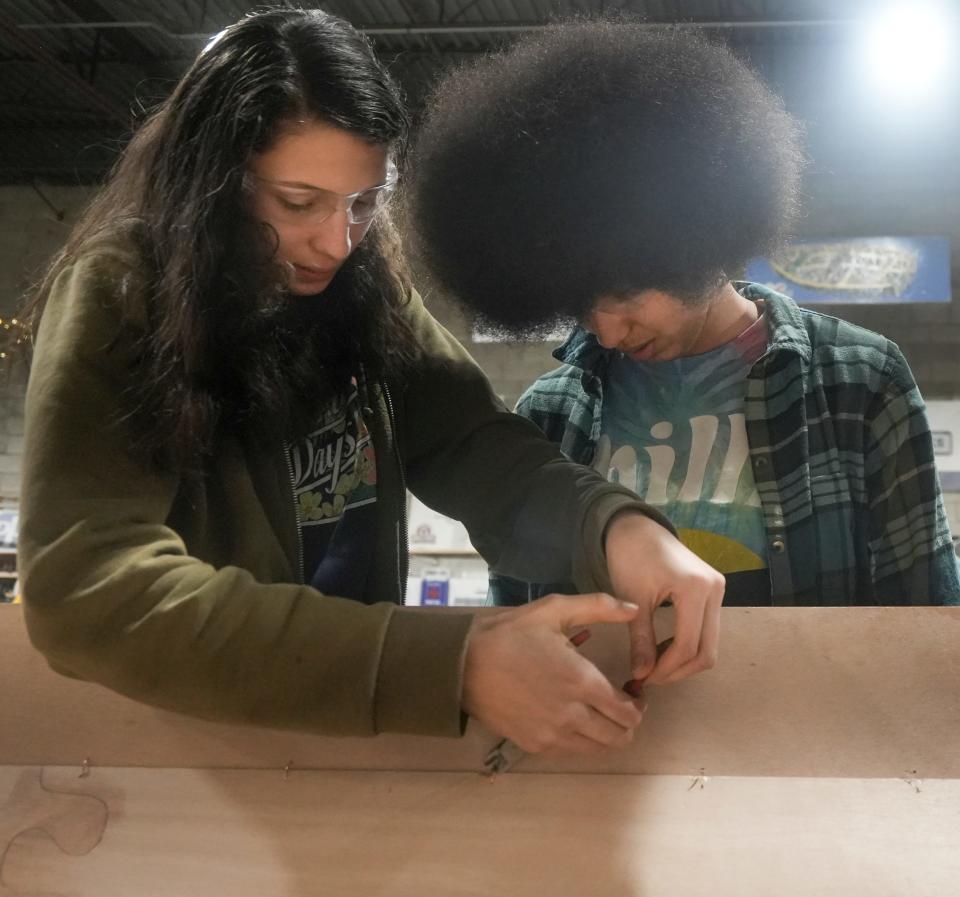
x=598, y=158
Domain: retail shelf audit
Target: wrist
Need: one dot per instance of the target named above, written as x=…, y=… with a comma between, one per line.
x=631, y=523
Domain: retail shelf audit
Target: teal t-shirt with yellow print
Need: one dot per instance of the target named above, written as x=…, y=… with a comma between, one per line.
x=674, y=432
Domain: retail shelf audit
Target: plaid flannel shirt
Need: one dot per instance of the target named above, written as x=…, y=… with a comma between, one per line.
x=841, y=454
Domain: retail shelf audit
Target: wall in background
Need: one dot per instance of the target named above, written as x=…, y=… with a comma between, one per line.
x=32, y=229
x=11, y=442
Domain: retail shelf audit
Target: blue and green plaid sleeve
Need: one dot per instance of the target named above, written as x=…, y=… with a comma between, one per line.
x=909, y=537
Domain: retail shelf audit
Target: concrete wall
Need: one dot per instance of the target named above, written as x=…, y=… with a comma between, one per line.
x=30, y=232
x=11, y=442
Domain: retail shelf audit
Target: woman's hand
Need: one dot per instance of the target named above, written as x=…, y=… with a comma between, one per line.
x=647, y=566
x=524, y=680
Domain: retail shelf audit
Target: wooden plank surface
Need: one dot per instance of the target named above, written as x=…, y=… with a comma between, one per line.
x=248, y=833
x=833, y=692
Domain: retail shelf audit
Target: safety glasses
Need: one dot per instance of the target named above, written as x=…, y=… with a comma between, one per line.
x=314, y=205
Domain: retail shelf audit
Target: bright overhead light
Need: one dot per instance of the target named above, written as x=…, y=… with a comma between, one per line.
x=908, y=47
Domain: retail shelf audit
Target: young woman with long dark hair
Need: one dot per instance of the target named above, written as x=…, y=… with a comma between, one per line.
x=233, y=384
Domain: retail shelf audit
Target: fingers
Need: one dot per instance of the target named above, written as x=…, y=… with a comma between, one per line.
x=686, y=640
x=643, y=645
x=524, y=678
x=577, y=744
x=593, y=690
x=586, y=731
x=596, y=732
x=574, y=611
x=709, y=649
x=696, y=640
x=670, y=572
x=634, y=687
x=697, y=637
x=601, y=714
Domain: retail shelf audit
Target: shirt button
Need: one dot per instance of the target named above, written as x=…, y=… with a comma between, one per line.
x=761, y=461
x=778, y=545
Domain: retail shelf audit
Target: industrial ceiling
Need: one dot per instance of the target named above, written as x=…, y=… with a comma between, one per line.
x=77, y=75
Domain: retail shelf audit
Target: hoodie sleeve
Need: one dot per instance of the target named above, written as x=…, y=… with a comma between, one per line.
x=534, y=515
x=112, y=594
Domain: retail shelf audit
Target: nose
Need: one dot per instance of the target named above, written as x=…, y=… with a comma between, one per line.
x=332, y=238
x=610, y=330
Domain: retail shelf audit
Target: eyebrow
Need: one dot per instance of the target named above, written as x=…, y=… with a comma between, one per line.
x=389, y=178
x=300, y=185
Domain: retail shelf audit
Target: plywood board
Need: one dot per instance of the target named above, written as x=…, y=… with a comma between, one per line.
x=193, y=833
x=835, y=692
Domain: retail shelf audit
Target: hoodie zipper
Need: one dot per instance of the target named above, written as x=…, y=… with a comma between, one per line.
x=402, y=516
x=296, y=512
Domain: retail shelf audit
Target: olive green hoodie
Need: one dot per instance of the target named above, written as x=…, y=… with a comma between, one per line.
x=188, y=595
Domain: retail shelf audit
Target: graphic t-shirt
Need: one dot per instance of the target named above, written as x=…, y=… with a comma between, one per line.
x=335, y=484
x=673, y=431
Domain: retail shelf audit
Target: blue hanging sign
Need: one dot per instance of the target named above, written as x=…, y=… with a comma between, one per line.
x=859, y=270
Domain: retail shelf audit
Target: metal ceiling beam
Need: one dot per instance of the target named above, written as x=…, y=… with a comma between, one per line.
x=492, y=28
x=112, y=24
x=33, y=48
x=399, y=30
x=123, y=41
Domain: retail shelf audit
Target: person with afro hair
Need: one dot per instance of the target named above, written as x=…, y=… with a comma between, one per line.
x=618, y=177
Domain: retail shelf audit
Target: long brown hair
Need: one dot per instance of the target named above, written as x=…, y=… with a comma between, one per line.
x=221, y=348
